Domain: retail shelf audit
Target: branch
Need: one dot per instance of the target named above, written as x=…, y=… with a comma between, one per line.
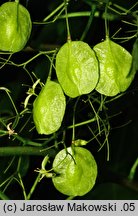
x=21, y=150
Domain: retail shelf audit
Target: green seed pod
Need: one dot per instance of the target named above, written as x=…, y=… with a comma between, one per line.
x=76, y=171
x=15, y=26
x=77, y=68
x=115, y=68
x=49, y=108
x=135, y=55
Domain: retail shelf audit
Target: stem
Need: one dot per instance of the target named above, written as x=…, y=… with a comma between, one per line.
x=53, y=12
x=44, y=162
x=3, y=196
x=9, y=165
x=34, y=186
x=93, y=10
x=27, y=141
x=82, y=123
x=22, y=185
x=12, y=102
x=6, y=182
x=106, y=26
x=110, y=16
x=6, y=61
x=74, y=111
x=21, y=150
x=34, y=57
x=51, y=65
x=133, y=170
x=122, y=9
x=31, y=59
x=96, y=115
x=67, y=22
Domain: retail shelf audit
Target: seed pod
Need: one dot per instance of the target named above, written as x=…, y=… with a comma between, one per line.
x=77, y=68
x=49, y=108
x=115, y=68
x=135, y=55
x=76, y=171
x=15, y=26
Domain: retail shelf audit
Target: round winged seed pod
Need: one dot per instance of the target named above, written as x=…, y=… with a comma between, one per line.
x=49, y=108
x=15, y=26
x=76, y=171
x=115, y=68
x=77, y=68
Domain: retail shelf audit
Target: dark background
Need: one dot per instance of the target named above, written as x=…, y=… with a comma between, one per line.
x=112, y=181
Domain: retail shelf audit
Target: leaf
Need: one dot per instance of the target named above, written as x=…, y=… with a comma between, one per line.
x=115, y=68
x=77, y=68
x=76, y=171
x=49, y=108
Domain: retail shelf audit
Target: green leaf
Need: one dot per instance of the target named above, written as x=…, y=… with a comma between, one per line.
x=49, y=108
x=15, y=26
x=77, y=68
x=115, y=68
x=76, y=171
